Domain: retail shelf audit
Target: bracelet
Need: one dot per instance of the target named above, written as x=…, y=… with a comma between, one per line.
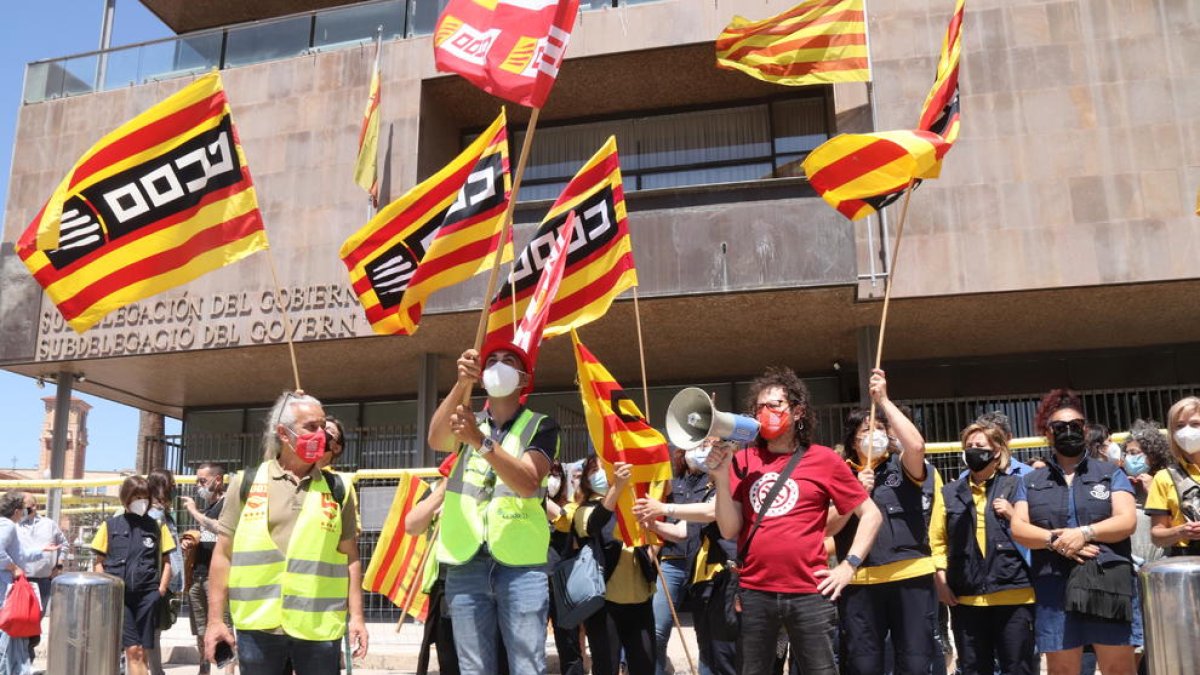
x=1089, y=533
x=670, y=510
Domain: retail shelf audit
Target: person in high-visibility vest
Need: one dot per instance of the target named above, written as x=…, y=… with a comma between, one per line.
x=494, y=533
x=287, y=554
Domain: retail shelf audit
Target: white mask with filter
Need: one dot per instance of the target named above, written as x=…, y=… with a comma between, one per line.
x=501, y=379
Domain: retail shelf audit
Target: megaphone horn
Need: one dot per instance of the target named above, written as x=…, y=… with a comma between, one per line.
x=692, y=417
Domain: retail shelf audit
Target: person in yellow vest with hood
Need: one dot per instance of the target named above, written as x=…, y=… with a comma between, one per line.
x=287, y=554
x=495, y=537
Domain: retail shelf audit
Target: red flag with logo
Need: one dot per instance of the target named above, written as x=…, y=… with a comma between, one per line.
x=508, y=48
x=528, y=335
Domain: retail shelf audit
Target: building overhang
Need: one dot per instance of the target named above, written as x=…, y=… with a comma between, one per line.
x=185, y=16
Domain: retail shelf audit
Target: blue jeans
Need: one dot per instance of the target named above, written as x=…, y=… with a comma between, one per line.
x=676, y=575
x=488, y=600
x=267, y=654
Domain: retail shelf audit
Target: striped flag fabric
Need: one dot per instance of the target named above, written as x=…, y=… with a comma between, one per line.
x=620, y=433
x=529, y=332
x=443, y=231
x=509, y=48
x=859, y=174
x=815, y=42
x=160, y=201
x=599, y=263
x=366, y=167
x=940, y=112
x=394, y=566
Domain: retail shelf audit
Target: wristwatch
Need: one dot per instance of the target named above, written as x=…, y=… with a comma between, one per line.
x=487, y=446
x=1053, y=537
x=1089, y=533
x=854, y=561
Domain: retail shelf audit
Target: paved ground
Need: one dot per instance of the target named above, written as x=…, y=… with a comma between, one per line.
x=390, y=653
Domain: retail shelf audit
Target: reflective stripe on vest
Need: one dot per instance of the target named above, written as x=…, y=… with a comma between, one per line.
x=480, y=508
x=303, y=592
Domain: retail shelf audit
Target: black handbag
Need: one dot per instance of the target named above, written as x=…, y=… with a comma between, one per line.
x=721, y=613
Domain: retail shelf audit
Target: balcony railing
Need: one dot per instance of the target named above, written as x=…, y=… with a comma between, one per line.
x=241, y=45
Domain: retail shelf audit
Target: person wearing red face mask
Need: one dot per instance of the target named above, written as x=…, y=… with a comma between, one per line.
x=286, y=557
x=774, y=498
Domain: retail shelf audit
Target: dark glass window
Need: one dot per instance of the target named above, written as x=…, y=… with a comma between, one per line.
x=675, y=149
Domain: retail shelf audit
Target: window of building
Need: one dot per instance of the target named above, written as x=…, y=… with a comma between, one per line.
x=725, y=144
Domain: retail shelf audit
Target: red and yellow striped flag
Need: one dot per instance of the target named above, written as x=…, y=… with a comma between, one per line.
x=599, y=262
x=366, y=172
x=859, y=174
x=620, y=433
x=815, y=42
x=940, y=112
x=441, y=232
x=394, y=567
x=160, y=201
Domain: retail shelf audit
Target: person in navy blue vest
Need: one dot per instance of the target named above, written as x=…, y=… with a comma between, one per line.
x=136, y=548
x=1077, y=515
x=982, y=575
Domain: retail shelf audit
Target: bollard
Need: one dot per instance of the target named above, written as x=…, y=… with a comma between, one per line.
x=1170, y=598
x=87, y=609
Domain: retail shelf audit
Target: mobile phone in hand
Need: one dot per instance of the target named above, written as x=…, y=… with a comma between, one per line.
x=224, y=654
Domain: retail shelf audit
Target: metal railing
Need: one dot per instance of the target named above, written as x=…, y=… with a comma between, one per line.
x=241, y=45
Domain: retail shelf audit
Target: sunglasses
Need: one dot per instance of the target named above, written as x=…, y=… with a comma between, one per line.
x=1060, y=427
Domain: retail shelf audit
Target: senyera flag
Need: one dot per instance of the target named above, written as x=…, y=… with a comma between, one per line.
x=815, y=42
x=599, y=263
x=940, y=112
x=395, y=564
x=529, y=332
x=443, y=231
x=859, y=174
x=158, y=202
x=620, y=433
x=509, y=48
x=366, y=173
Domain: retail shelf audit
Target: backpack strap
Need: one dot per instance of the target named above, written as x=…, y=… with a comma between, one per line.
x=248, y=475
x=1186, y=490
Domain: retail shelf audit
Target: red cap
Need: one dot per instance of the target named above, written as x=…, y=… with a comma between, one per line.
x=496, y=345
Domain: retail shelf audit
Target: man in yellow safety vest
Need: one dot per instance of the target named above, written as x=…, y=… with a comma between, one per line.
x=494, y=534
x=287, y=554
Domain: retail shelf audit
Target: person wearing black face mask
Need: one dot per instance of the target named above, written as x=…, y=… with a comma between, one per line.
x=1077, y=515
x=982, y=575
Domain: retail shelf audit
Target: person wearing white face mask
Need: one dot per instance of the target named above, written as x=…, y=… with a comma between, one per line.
x=494, y=536
x=560, y=511
x=1173, y=503
x=893, y=587
x=136, y=548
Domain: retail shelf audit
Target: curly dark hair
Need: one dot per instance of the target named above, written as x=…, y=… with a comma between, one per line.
x=1153, y=443
x=1057, y=399
x=797, y=392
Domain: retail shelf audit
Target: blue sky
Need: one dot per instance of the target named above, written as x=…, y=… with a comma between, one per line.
x=31, y=31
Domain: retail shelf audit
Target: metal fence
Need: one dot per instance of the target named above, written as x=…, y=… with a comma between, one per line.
x=397, y=447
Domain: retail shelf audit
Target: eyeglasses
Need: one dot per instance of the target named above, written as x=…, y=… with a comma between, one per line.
x=774, y=406
x=1059, y=427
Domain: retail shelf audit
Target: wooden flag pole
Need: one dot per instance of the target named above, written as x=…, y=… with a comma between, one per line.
x=287, y=321
x=887, y=292
x=505, y=235
x=411, y=595
x=637, y=313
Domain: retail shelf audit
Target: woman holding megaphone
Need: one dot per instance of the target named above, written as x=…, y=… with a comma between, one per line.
x=893, y=587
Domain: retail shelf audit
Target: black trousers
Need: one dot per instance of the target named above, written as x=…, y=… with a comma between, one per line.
x=566, y=642
x=617, y=627
x=809, y=620
x=907, y=610
x=989, y=635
